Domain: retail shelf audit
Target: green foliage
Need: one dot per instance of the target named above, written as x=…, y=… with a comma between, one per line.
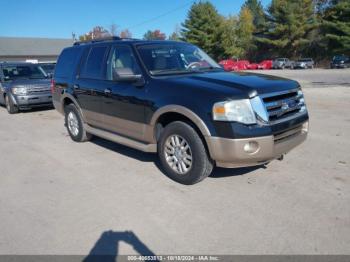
x=230, y=39
x=202, y=28
x=336, y=26
x=257, y=10
x=290, y=23
x=237, y=35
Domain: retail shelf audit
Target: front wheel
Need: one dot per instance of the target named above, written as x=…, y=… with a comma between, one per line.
x=11, y=108
x=74, y=124
x=183, y=155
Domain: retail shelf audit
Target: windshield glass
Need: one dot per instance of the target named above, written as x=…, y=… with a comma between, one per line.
x=13, y=72
x=175, y=58
x=304, y=60
x=340, y=58
x=48, y=68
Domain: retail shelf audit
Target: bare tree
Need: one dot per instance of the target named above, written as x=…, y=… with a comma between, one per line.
x=113, y=29
x=125, y=34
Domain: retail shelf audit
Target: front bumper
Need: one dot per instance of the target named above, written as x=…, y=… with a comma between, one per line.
x=33, y=100
x=232, y=153
x=339, y=65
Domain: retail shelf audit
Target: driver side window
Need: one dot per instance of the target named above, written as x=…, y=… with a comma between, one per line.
x=121, y=61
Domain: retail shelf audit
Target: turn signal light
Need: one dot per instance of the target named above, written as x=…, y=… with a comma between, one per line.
x=219, y=110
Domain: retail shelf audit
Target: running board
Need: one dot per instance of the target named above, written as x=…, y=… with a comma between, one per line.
x=150, y=148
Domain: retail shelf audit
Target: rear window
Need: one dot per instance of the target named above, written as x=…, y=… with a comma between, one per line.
x=94, y=64
x=67, y=62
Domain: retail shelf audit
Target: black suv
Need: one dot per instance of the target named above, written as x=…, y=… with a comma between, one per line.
x=172, y=98
x=340, y=61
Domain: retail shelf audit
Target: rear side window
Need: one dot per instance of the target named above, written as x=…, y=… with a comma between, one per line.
x=94, y=65
x=67, y=62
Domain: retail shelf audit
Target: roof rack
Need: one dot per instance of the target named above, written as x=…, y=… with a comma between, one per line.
x=103, y=39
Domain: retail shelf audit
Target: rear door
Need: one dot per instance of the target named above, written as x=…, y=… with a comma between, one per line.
x=89, y=86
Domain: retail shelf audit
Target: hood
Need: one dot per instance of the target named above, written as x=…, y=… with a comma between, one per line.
x=241, y=82
x=30, y=83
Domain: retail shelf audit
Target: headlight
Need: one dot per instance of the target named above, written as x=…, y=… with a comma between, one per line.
x=19, y=90
x=235, y=110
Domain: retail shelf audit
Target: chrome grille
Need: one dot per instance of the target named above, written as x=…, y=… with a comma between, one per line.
x=284, y=104
x=37, y=89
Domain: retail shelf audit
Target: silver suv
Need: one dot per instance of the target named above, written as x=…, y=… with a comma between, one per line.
x=23, y=86
x=282, y=63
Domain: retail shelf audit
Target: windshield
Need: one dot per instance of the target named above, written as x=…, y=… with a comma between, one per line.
x=13, y=72
x=178, y=58
x=340, y=58
x=304, y=60
x=48, y=68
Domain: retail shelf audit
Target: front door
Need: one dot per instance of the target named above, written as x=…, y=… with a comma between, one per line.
x=124, y=101
x=89, y=88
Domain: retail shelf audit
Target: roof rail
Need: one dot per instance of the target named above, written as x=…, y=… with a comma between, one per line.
x=102, y=39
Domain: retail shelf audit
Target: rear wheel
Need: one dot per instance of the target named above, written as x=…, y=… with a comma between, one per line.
x=74, y=124
x=183, y=155
x=11, y=108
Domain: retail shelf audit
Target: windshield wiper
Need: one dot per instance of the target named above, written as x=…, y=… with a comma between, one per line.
x=172, y=72
x=210, y=68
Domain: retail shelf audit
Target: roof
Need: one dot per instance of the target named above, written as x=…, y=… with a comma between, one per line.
x=4, y=64
x=18, y=46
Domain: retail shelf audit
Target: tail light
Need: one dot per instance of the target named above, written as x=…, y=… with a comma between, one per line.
x=52, y=87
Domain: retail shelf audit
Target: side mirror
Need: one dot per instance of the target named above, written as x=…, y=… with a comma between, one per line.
x=126, y=75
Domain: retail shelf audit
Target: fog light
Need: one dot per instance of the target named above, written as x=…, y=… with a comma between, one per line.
x=251, y=147
x=305, y=127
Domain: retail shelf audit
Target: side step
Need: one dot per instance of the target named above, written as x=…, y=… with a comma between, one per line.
x=150, y=148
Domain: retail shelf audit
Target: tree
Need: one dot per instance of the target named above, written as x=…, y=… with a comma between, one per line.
x=230, y=38
x=154, y=35
x=257, y=10
x=245, y=29
x=289, y=25
x=95, y=33
x=113, y=29
x=336, y=27
x=176, y=35
x=202, y=28
x=125, y=34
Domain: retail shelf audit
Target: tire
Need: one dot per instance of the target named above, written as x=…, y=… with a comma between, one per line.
x=10, y=107
x=198, y=168
x=74, y=124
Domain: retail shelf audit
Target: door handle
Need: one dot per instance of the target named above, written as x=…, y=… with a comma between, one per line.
x=108, y=91
x=76, y=86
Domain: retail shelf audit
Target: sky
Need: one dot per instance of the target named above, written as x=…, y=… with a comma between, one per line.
x=59, y=18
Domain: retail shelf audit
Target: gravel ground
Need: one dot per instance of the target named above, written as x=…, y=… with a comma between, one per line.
x=61, y=197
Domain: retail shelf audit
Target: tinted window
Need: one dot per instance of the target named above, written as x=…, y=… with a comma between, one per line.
x=67, y=62
x=93, y=67
x=121, y=60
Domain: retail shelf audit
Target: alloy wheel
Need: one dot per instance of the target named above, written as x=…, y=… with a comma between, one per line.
x=178, y=154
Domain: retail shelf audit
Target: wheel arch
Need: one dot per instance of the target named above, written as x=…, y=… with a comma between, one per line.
x=172, y=113
x=69, y=99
